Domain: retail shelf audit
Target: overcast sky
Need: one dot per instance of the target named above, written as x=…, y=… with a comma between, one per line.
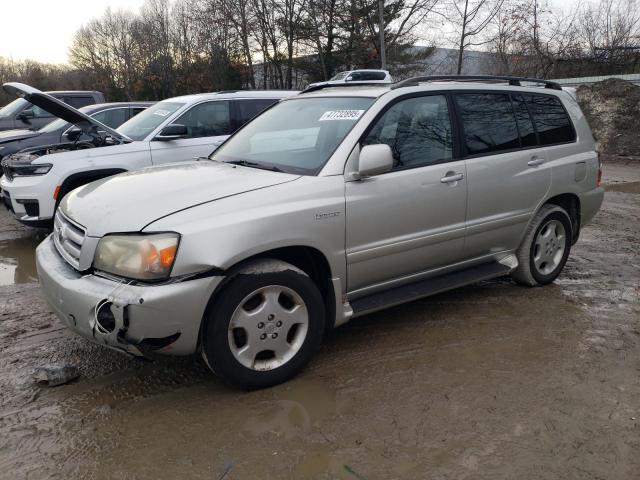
x=43, y=29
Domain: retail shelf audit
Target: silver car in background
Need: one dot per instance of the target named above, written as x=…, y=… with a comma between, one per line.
x=330, y=205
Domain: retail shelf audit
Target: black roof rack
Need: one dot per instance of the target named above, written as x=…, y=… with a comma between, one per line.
x=514, y=81
x=360, y=83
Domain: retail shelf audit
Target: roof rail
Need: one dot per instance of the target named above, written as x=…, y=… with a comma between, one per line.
x=359, y=83
x=515, y=81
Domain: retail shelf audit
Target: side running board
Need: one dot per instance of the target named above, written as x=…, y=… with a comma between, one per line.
x=427, y=287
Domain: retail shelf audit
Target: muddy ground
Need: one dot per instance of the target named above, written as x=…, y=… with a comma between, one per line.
x=492, y=381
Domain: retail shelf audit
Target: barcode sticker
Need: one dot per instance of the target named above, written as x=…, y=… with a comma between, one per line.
x=341, y=115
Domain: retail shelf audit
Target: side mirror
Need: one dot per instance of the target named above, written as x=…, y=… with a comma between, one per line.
x=27, y=114
x=73, y=134
x=172, y=132
x=374, y=160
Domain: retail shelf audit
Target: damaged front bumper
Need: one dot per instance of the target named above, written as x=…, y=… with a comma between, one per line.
x=129, y=318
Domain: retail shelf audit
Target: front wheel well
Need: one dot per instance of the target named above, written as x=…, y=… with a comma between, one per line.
x=570, y=203
x=82, y=178
x=308, y=259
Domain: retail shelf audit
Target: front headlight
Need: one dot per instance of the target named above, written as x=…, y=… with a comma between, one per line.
x=141, y=257
x=30, y=170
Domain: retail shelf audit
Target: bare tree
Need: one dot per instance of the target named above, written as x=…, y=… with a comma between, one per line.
x=611, y=32
x=472, y=19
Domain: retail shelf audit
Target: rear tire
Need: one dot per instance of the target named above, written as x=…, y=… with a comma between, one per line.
x=265, y=325
x=545, y=247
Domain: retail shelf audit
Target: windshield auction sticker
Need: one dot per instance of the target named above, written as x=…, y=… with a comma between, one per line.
x=162, y=113
x=341, y=115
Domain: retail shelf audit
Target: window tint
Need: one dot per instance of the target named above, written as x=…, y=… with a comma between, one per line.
x=525, y=124
x=552, y=121
x=137, y=110
x=78, y=102
x=247, y=109
x=488, y=121
x=207, y=119
x=112, y=118
x=372, y=75
x=418, y=130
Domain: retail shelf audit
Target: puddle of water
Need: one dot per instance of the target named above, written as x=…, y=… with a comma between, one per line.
x=17, y=260
x=628, y=187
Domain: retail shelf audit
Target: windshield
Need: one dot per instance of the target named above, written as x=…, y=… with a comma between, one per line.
x=13, y=108
x=60, y=124
x=339, y=76
x=296, y=136
x=146, y=122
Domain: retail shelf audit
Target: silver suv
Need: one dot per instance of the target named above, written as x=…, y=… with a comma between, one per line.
x=330, y=205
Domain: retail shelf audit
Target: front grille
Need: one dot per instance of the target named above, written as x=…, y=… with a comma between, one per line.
x=68, y=238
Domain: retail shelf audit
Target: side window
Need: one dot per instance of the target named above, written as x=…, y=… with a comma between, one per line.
x=372, y=75
x=552, y=122
x=418, y=130
x=207, y=119
x=488, y=122
x=77, y=102
x=112, y=118
x=247, y=109
x=525, y=124
x=40, y=113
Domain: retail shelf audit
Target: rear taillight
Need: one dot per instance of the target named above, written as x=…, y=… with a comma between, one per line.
x=599, y=182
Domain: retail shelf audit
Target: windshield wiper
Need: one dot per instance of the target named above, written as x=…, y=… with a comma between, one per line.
x=247, y=163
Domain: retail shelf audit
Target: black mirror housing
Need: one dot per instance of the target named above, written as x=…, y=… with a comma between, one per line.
x=74, y=134
x=172, y=132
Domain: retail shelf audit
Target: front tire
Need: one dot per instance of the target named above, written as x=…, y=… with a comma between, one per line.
x=264, y=326
x=545, y=247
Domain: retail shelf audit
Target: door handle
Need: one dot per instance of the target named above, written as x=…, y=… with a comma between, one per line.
x=535, y=161
x=455, y=177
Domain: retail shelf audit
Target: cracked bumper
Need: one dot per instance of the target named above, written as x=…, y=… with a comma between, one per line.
x=144, y=316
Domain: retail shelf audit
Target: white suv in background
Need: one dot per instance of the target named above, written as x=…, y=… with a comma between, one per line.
x=357, y=76
x=174, y=130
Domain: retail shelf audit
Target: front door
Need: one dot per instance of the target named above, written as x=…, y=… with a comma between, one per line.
x=411, y=219
x=208, y=125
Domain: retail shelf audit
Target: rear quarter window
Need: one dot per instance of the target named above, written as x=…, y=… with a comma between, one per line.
x=249, y=108
x=551, y=119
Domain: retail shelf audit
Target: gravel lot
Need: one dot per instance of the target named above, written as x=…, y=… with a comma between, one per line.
x=490, y=381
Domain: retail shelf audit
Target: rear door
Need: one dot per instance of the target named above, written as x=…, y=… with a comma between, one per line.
x=507, y=170
x=410, y=219
x=208, y=124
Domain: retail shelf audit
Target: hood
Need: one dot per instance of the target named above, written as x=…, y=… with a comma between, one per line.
x=57, y=107
x=130, y=201
x=19, y=134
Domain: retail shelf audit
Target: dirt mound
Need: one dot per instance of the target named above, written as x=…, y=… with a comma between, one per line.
x=612, y=108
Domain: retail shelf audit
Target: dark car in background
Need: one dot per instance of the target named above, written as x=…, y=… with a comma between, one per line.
x=22, y=114
x=61, y=131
